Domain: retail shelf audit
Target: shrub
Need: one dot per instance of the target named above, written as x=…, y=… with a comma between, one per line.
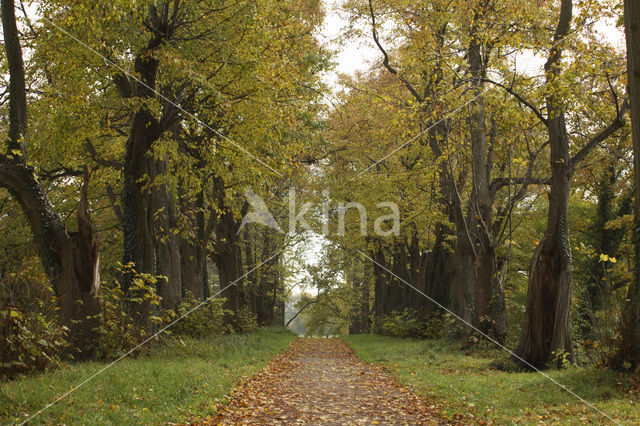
x=246, y=321
x=29, y=342
x=407, y=324
x=198, y=322
x=128, y=319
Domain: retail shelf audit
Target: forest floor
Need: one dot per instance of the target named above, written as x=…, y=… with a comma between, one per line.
x=321, y=381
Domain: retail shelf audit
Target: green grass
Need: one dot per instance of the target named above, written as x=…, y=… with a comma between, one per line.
x=174, y=383
x=467, y=388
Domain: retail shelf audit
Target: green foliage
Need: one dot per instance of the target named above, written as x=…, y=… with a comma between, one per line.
x=128, y=317
x=408, y=324
x=245, y=321
x=29, y=341
x=198, y=322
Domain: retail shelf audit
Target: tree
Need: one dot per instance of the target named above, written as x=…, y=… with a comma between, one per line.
x=70, y=259
x=546, y=331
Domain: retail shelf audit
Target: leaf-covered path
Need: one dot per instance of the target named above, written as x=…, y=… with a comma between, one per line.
x=320, y=381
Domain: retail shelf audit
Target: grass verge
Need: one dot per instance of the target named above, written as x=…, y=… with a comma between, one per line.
x=181, y=381
x=468, y=388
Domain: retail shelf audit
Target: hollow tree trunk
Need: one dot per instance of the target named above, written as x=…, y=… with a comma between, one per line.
x=546, y=331
x=70, y=259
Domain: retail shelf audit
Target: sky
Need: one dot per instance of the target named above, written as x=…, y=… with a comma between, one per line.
x=352, y=55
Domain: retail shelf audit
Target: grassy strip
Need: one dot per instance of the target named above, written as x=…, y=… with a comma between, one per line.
x=468, y=388
x=175, y=383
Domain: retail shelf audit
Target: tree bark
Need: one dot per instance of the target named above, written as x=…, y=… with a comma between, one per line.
x=380, y=285
x=228, y=254
x=167, y=244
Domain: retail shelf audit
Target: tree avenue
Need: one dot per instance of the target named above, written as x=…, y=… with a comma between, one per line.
x=502, y=137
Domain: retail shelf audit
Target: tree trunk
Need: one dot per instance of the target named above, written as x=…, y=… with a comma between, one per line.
x=380, y=284
x=365, y=321
x=168, y=256
x=489, y=309
x=463, y=279
x=193, y=250
x=438, y=272
x=137, y=201
x=629, y=350
x=546, y=333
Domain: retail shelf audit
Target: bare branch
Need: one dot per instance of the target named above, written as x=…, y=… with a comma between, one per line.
x=385, y=60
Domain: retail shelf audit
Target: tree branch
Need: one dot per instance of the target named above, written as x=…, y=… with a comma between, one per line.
x=17, y=87
x=613, y=127
x=520, y=99
x=385, y=60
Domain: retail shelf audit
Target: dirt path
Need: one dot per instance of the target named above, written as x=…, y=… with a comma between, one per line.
x=320, y=381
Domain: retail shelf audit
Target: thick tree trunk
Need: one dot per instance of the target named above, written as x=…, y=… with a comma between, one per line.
x=70, y=259
x=167, y=246
x=490, y=306
x=463, y=279
x=546, y=333
x=438, y=272
x=139, y=167
x=629, y=350
x=229, y=262
x=193, y=251
x=192, y=267
x=489, y=310
x=138, y=228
